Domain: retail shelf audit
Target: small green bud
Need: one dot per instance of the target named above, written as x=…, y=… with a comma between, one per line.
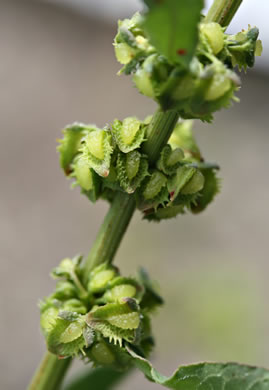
x=48, y=318
x=124, y=53
x=124, y=315
x=128, y=134
x=97, y=149
x=142, y=43
x=74, y=305
x=142, y=80
x=100, y=277
x=65, y=339
x=64, y=269
x=100, y=353
x=170, y=159
x=179, y=180
x=243, y=47
x=219, y=85
x=132, y=164
x=209, y=191
x=116, y=293
x=83, y=174
x=143, y=77
x=194, y=185
x=64, y=290
x=122, y=287
x=154, y=185
x=72, y=332
x=70, y=145
x=214, y=35
x=132, y=168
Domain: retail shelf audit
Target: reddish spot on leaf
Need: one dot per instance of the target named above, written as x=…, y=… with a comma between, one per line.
x=60, y=357
x=181, y=52
x=172, y=194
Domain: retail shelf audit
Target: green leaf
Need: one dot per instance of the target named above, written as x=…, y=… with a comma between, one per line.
x=172, y=28
x=207, y=376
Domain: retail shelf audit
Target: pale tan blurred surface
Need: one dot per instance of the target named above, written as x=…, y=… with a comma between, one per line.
x=57, y=67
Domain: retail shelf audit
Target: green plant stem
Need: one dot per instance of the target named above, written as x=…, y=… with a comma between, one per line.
x=111, y=232
x=52, y=370
x=159, y=131
x=222, y=11
x=50, y=373
x=107, y=242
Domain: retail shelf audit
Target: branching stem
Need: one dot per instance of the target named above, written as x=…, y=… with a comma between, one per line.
x=51, y=371
x=222, y=11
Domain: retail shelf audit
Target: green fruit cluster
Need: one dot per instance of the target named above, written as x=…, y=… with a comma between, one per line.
x=197, y=91
x=96, y=320
x=104, y=161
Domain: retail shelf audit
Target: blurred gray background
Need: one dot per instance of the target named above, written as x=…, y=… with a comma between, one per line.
x=57, y=66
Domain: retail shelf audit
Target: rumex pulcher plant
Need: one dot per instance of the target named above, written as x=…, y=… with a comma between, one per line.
x=185, y=62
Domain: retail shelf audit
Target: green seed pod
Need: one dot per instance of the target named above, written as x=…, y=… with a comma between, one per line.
x=48, y=318
x=144, y=76
x=243, y=47
x=74, y=305
x=83, y=173
x=100, y=278
x=213, y=32
x=97, y=149
x=117, y=293
x=195, y=184
x=170, y=160
x=124, y=53
x=179, y=180
x=70, y=145
x=142, y=80
x=128, y=134
x=219, y=86
x=101, y=353
x=132, y=168
x=120, y=288
x=154, y=185
x=153, y=191
x=66, y=339
x=72, y=332
x=64, y=290
x=124, y=315
x=209, y=191
x=64, y=269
